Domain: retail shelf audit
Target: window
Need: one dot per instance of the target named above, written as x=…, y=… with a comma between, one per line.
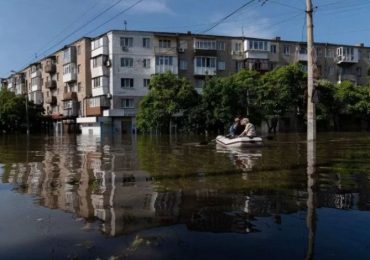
x=126, y=41
x=205, y=44
x=164, y=60
x=127, y=103
x=56, y=59
x=78, y=49
x=329, y=53
x=302, y=50
x=207, y=62
x=221, y=65
x=146, y=63
x=258, y=45
x=286, y=50
x=146, y=42
x=273, y=48
x=79, y=87
x=127, y=83
x=221, y=45
x=238, y=46
x=127, y=62
x=97, y=82
x=146, y=83
x=57, y=75
x=78, y=68
x=183, y=65
x=164, y=43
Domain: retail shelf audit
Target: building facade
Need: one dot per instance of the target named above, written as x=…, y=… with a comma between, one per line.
x=96, y=84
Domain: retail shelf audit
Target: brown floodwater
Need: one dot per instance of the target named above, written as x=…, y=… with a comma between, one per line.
x=135, y=197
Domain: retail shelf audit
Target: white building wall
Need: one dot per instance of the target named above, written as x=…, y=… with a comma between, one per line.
x=137, y=72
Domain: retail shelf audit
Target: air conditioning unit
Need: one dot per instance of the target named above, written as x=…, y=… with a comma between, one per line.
x=108, y=63
x=109, y=95
x=181, y=50
x=124, y=48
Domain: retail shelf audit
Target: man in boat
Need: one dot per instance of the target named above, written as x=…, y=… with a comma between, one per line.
x=249, y=130
x=236, y=128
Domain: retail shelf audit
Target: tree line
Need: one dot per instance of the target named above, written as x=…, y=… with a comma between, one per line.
x=271, y=99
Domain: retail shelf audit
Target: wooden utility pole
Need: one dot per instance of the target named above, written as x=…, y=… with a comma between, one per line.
x=311, y=109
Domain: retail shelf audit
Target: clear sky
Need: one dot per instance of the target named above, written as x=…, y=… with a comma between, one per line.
x=33, y=28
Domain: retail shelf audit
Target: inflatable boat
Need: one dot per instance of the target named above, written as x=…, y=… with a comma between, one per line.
x=244, y=141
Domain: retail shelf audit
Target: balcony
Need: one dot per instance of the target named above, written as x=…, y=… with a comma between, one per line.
x=52, y=100
x=69, y=55
x=164, y=68
x=20, y=89
x=99, y=47
x=36, y=97
x=347, y=55
x=36, y=84
x=204, y=52
x=69, y=73
x=71, y=108
x=258, y=65
x=99, y=71
x=51, y=84
x=50, y=68
x=70, y=96
x=256, y=54
x=35, y=74
x=96, y=105
x=206, y=71
x=302, y=57
x=165, y=51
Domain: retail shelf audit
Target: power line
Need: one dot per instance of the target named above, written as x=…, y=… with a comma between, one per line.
x=114, y=17
x=228, y=16
x=83, y=25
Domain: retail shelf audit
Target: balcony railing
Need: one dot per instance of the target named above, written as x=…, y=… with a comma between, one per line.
x=70, y=96
x=96, y=105
x=50, y=68
x=51, y=84
x=205, y=71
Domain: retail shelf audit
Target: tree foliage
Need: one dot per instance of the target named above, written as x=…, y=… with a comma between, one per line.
x=168, y=97
x=13, y=116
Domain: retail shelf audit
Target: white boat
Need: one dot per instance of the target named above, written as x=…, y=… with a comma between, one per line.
x=244, y=141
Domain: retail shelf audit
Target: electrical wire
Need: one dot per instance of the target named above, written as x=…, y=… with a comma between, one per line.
x=228, y=16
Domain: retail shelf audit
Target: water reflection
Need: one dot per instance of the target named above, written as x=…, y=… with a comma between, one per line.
x=132, y=185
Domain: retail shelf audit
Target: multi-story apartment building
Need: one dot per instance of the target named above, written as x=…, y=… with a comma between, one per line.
x=59, y=82
x=99, y=82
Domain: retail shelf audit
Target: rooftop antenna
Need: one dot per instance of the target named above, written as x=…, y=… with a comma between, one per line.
x=125, y=22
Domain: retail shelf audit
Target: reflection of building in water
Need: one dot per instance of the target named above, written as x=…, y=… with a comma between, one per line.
x=126, y=201
x=102, y=182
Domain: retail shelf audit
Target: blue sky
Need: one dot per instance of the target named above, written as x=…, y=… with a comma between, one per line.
x=30, y=28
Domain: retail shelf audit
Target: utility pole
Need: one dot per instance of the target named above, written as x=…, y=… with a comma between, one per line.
x=311, y=109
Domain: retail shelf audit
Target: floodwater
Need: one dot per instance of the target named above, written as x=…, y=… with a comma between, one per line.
x=138, y=197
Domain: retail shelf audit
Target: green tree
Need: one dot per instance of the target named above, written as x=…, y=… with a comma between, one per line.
x=225, y=98
x=170, y=100
x=13, y=112
x=281, y=92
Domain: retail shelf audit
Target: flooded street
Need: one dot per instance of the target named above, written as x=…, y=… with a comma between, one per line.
x=169, y=198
